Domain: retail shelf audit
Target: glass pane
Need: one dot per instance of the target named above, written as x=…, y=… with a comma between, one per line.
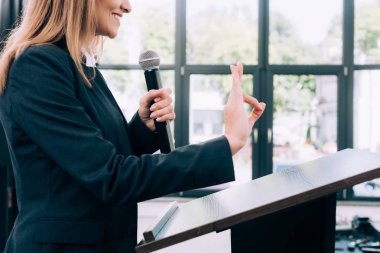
x=367, y=32
x=367, y=122
x=208, y=95
x=222, y=32
x=305, y=118
x=150, y=25
x=305, y=32
x=128, y=86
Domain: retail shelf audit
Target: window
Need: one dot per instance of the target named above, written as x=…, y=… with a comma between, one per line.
x=305, y=118
x=366, y=87
x=222, y=32
x=367, y=32
x=367, y=123
x=305, y=32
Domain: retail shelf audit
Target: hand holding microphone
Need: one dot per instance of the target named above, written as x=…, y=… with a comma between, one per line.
x=157, y=104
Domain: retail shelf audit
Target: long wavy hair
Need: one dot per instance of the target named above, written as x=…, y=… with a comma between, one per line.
x=49, y=21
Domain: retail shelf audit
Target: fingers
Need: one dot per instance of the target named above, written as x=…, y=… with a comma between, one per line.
x=166, y=113
x=170, y=116
x=252, y=101
x=237, y=69
x=236, y=90
x=237, y=74
x=162, y=108
x=257, y=111
x=156, y=95
x=240, y=69
x=161, y=103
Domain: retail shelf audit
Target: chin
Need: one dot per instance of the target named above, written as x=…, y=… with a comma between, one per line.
x=112, y=35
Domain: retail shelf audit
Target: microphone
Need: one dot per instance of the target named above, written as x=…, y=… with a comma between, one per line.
x=150, y=62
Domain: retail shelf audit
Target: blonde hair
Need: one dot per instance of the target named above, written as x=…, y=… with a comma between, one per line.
x=49, y=21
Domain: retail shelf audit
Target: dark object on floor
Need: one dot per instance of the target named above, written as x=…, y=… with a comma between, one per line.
x=362, y=236
x=363, y=228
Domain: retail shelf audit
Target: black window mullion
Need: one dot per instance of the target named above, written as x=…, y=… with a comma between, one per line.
x=367, y=67
x=262, y=151
x=346, y=87
x=306, y=69
x=181, y=131
x=347, y=90
x=215, y=69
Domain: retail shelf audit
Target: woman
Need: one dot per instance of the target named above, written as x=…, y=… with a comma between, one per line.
x=80, y=168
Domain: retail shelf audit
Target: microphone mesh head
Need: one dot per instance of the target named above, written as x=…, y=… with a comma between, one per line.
x=149, y=60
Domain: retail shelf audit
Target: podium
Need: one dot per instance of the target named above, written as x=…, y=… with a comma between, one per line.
x=290, y=211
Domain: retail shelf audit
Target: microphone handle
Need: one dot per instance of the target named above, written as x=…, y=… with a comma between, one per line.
x=153, y=81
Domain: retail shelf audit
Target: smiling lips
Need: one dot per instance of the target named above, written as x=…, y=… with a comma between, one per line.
x=117, y=16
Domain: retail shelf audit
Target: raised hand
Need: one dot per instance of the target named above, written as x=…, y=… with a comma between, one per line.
x=238, y=126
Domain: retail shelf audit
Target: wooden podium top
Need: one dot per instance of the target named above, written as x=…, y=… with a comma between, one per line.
x=269, y=194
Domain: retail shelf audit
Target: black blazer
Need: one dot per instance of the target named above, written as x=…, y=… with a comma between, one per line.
x=80, y=168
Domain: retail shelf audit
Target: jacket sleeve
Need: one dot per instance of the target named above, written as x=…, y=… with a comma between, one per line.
x=144, y=140
x=43, y=104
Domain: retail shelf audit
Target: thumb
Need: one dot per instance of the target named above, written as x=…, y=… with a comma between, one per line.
x=256, y=113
